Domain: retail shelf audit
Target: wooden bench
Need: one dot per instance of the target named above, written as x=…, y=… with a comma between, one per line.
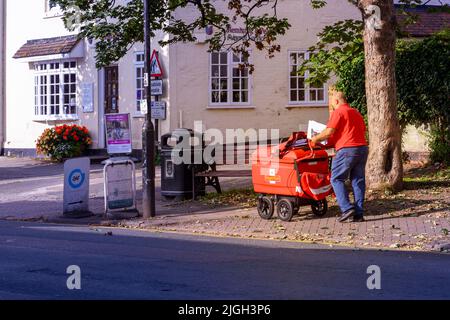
x=212, y=175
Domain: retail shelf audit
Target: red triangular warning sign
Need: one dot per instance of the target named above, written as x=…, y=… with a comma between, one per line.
x=156, y=65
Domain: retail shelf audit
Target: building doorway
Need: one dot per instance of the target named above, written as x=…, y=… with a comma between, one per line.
x=111, y=90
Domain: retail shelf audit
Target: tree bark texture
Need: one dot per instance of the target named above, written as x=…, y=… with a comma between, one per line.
x=384, y=166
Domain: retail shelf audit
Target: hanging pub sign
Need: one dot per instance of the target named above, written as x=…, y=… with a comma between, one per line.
x=118, y=133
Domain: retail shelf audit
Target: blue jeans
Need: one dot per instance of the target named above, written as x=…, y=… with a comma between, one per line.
x=350, y=163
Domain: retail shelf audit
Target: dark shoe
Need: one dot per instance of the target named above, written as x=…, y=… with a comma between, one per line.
x=346, y=215
x=358, y=219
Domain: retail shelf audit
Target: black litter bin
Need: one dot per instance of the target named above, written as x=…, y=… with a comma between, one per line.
x=177, y=166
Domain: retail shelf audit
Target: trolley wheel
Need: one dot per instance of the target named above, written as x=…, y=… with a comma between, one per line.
x=285, y=209
x=319, y=208
x=265, y=207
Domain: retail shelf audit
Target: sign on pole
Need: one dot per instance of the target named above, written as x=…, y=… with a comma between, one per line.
x=157, y=87
x=118, y=133
x=156, y=65
x=159, y=110
x=76, y=187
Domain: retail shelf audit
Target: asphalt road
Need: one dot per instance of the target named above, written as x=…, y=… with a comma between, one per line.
x=142, y=265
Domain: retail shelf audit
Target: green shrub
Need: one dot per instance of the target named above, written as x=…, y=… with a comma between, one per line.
x=423, y=87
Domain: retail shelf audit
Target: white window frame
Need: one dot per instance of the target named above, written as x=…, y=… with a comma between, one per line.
x=307, y=102
x=52, y=12
x=229, y=104
x=139, y=65
x=38, y=115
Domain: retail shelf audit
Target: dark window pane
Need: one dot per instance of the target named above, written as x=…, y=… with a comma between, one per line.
x=244, y=83
x=312, y=95
x=244, y=96
x=236, y=96
x=215, y=84
x=301, y=95
x=293, y=57
x=293, y=83
x=293, y=71
x=223, y=96
x=320, y=95
x=236, y=84
x=301, y=82
x=215, y=71
x=215, y=58
x=293, y=95
x=215, y=95
x=223, y=58
x=223, y=71
x=223, y=84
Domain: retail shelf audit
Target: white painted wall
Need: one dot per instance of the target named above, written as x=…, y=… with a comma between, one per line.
x=22, y=131
x=190, y=67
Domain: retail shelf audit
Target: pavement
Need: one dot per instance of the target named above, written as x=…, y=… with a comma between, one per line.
x=31, y=190
x=129, y=264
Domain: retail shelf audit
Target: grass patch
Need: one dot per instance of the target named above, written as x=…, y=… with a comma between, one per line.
x=442, y=174
x=427, y=177
x=245, y=198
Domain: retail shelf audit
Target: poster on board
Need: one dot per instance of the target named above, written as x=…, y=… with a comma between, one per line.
x=118, y=133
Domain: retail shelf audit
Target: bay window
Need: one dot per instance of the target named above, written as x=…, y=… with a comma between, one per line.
x=55, y=92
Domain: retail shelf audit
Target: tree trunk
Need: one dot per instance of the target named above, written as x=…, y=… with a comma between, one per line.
x=384, y=166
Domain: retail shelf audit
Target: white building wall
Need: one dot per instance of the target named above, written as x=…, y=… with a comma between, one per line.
x=22, y=129
x=26, y=20
x=270, y=88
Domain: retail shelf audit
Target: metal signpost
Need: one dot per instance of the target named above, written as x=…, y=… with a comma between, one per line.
x=148, y=130
x=158, y=110
x=157, y=87
x=76, y=188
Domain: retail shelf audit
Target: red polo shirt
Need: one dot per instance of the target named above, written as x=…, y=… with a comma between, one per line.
x=350, y=130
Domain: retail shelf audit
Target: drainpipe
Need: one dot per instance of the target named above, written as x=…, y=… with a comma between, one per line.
x=2, y=73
